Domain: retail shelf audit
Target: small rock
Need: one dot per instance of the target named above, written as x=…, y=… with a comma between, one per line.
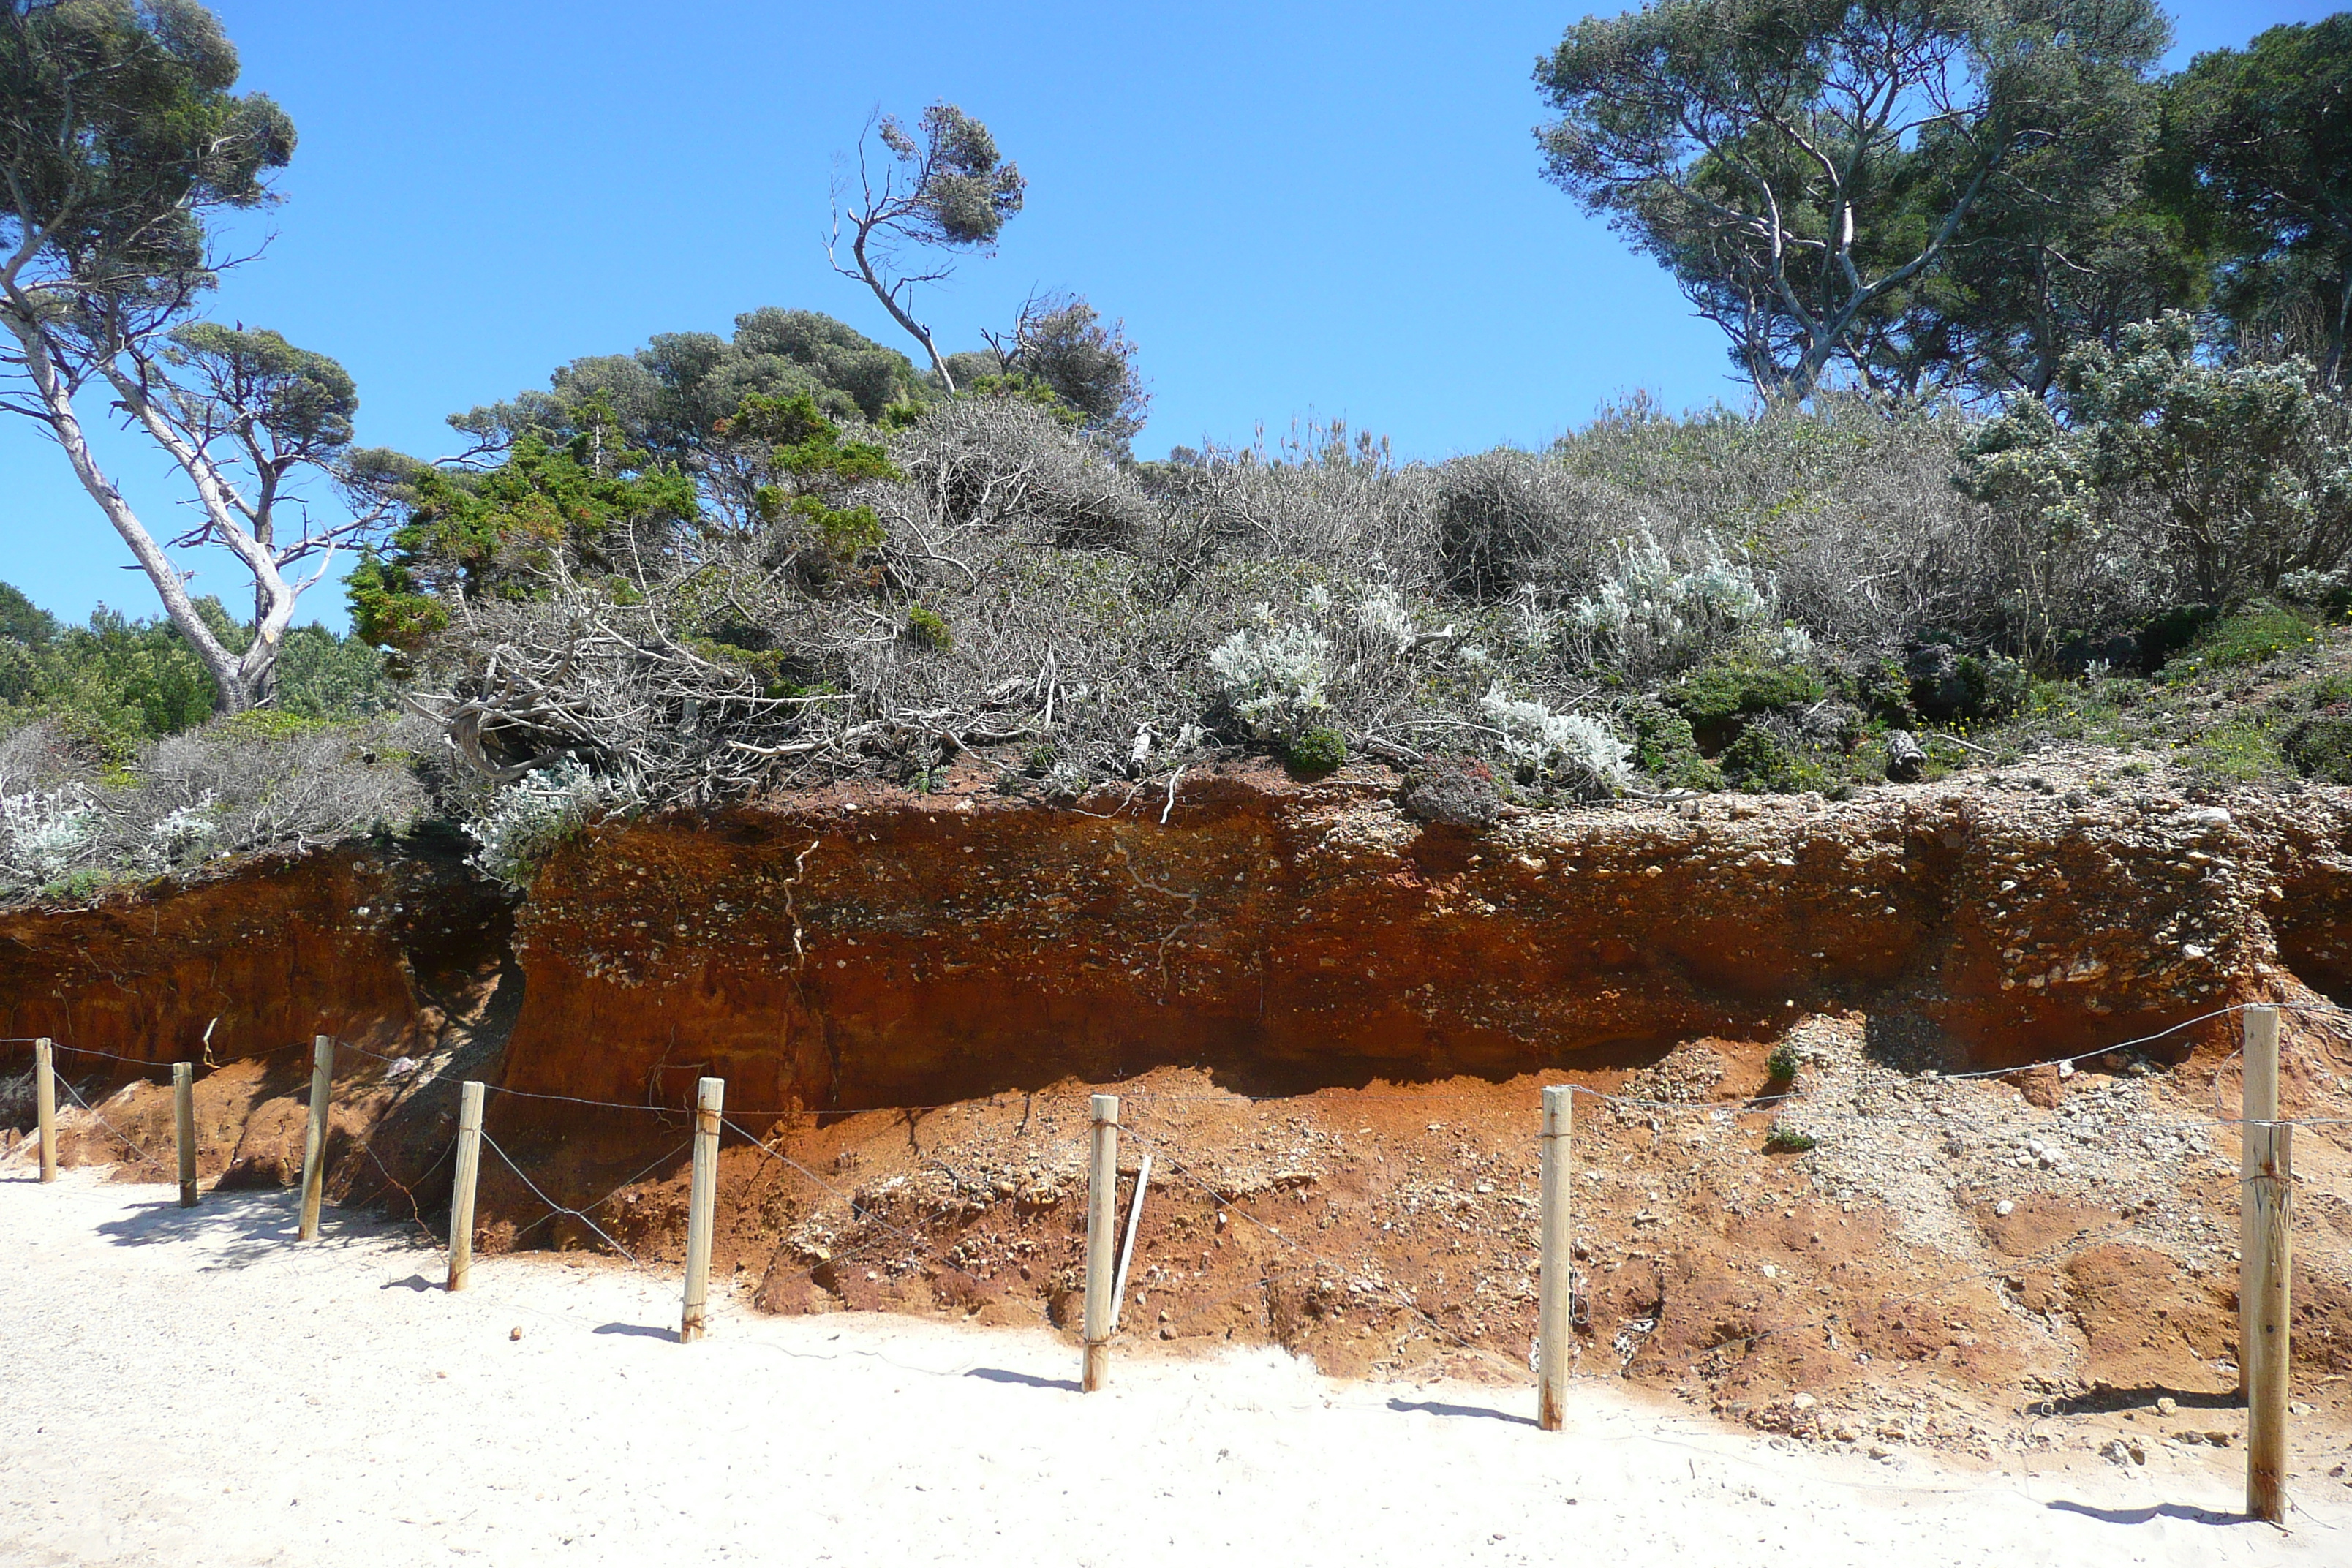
x=1904, y=759
x=2167, y=1406
x=2219, y=1439
x=514, y=1333
x=1452, y=792
x=2004, y=1209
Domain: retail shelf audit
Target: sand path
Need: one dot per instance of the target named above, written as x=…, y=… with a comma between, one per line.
x=192, y=1387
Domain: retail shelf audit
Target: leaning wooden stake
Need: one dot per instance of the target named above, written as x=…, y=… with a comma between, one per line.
x=1556, y=1298
x=461, y=1193
x=184, y=1123
x=2265, y=1210
x=314, y=1142
x=45, y=1097
x=1127, y=1243
x=702, y=1202
x=1102, y=1232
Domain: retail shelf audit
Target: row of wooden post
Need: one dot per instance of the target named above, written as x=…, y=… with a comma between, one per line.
x=2265, y=1219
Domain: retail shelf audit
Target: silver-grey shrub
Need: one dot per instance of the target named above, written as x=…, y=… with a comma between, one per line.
x=235, y=786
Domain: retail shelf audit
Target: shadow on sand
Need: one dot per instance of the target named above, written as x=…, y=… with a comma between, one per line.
x=1438, y=1407
x=2153, y=1511
x=244, y=1227
x=1027, y=1380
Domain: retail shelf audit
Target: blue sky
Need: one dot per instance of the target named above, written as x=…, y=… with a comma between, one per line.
x=1296, y=209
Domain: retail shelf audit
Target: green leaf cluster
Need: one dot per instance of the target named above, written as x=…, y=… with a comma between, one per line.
x=116, y=683
x=808, y=463
x=478, y=534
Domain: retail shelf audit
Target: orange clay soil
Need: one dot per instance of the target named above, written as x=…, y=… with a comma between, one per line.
x=1951, y=1262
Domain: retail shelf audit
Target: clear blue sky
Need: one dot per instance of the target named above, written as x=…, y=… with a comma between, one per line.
x=1296, y=208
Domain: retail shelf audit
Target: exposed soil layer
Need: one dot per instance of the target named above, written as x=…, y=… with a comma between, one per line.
x=401, y=952
x=840, y=953
x=1327, y=1022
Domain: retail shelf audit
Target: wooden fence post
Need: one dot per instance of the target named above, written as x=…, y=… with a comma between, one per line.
x=45, y=1097
x=702, y=1202
x=461, y=1192
x=1102, y=1230
x=2265, y=1213
x=314, y=1142
x=1557, y=1281
x=184, y=1123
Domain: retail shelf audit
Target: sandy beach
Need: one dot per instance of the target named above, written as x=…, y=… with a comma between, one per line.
x=194, y=1386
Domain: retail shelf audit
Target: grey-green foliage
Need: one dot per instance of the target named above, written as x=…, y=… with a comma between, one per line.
x=121, y=136
x=670, y=393
x=248, y=783
x=1060, y=346
x=2211, y=480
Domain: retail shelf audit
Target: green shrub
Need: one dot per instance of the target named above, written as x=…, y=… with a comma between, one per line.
x=930, y=631
x=1761, y=763
x=1665, y=748
x=1317, y=752
x=2317, y=741
x=1997, y=686
x=1716, y=695
x=2172, y=630
x=2255, y=635
x=1781, y=1066
x=1788, y=1140
x=1883, y=691
x=269, y=724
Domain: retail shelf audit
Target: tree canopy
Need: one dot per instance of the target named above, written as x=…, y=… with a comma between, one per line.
x=1798, y=164
x=2263, y=137
x=121, y=138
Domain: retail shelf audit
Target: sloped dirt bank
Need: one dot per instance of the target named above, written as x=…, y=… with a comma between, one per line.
x=1329, y=1022
x=398, y=951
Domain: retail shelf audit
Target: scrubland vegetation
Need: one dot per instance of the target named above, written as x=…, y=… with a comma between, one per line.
x=2008, y=477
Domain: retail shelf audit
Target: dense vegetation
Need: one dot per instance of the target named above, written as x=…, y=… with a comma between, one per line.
x=2050, y=442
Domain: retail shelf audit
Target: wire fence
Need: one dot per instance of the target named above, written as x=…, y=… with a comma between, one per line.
x=917, y=1244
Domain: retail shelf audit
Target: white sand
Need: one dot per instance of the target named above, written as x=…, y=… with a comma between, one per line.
x=185, y=1388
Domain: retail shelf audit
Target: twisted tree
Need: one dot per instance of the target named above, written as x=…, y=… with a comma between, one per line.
x=121, y=139
x=942, y=188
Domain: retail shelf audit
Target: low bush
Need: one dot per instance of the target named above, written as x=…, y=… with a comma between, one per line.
x=1762, y=763
x=2256, y=634
x=238, y=786
x=1316, y=752
x=1666, y=748
x=1719, y=695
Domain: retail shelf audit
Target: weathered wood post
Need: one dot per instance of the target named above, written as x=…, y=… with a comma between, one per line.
x=461, y=1192
x=1102, y=1232
x=2266, y=1212
x=314, y=1142
x=1556, y=1281
x=701, y=1207
x=184, y=1123
x=45, y=1099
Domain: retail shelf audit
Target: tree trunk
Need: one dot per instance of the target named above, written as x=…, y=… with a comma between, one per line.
x=231, y=685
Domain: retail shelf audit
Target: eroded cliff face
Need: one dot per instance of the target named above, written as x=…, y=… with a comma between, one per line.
x=1327, y=1022
x=374, y=945
x=844, y=953
x=394, y=951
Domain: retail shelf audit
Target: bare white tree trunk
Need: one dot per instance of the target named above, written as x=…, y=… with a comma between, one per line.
x=230, y=676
